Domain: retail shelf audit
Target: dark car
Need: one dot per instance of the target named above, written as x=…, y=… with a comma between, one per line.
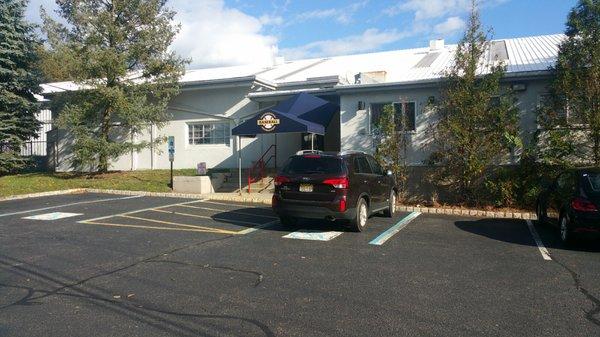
x=347, y=186
x=572, y=203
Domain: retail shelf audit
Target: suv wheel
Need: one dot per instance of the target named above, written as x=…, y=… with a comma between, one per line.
x=566, y=236
x=362, y=214
x=391, y=210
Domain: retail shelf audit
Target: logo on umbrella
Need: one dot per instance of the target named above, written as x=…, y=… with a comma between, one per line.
x=268, y=121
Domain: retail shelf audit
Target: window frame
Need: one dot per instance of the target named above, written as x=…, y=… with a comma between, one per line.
x=404, y=112
x=191, y=130
x=375, y=167
x=569, y=124
x=394, y=104
x=357, y=165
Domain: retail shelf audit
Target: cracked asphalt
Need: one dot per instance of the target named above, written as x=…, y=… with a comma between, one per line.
x=196, y=269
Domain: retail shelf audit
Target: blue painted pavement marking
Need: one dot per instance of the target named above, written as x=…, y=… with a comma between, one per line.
x=313, y=235
x=383, y=237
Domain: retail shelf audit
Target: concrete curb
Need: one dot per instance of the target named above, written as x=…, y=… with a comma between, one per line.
x=44, y=194
x=149, y=194
x=470, y=212
x=257, y=198
x=252, y=198
x=265, y=199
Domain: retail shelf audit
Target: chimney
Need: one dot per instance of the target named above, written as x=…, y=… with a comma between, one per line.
x=436, y=45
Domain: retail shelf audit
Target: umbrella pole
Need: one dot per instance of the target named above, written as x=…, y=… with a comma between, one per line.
x=239, y=141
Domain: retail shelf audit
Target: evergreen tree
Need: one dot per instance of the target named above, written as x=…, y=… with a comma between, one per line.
x=391, y=145
x=570, y=120
x=117, y=51
x=477, y=121
x=18, y=84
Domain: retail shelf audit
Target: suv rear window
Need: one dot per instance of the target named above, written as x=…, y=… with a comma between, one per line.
x=592, y=181
x=313, y=164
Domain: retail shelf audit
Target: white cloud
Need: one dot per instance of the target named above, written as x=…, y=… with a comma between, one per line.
x=451, y=26
x=369, y=40
x=271, y=20
x=430, y=9
x=213, y=34
x=343, y=15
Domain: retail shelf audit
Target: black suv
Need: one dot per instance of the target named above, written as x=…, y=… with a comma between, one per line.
x=334, y=186
x=572, y=203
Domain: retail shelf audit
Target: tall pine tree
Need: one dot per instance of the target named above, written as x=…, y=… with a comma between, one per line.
x=118, y=53
x=571, y=118
x=18, y=84
x=477, y=119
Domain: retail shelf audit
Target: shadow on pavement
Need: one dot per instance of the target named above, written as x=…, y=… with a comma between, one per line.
x=515, y=231
x=506, y=230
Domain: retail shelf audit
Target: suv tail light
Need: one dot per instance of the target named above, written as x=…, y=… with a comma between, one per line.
x=280, y=180
x=583, y=205
x=337, y=182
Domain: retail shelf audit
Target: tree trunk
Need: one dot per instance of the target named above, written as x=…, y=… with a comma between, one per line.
x=104, y=135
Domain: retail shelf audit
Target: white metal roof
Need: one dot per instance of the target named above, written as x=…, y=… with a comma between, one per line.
x=527, y=54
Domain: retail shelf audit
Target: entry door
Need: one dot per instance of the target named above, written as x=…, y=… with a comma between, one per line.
x=319, y=142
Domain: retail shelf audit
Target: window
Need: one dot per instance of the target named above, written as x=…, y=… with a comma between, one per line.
x=560, y=115
x=313, y=164
x=375, y=166
x=361, y=165
x=208, y=133
x=376, y=112
x=593, y=179
x=405, y=115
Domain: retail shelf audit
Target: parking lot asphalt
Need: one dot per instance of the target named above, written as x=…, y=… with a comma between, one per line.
x=106, y=265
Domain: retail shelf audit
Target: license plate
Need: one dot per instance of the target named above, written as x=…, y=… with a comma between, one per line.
x=307, y=188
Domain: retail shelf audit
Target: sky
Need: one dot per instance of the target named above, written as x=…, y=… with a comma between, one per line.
x=235, y=32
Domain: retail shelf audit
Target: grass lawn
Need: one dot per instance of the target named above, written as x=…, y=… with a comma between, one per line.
x=151, y=181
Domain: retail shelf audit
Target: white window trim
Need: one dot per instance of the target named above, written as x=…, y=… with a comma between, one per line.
x=567, y=112
x=416, y=114
x=370, y=119
x=187, y=134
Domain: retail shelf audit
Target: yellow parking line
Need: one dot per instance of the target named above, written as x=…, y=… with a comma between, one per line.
x=205, y=217
x=155, y=227
x=180, y=225
x=228, y=211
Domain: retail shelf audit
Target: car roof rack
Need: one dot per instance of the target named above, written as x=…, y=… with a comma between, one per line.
x=301, y=152
x=345, y=153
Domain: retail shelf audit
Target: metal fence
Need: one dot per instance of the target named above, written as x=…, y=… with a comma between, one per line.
x=36, y=147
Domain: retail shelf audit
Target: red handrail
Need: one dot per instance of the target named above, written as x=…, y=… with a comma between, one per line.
x=260, y=165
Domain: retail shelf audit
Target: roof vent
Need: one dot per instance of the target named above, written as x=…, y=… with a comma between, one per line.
x=498, y=51
x=436, y=45
x=370, y=77
x=427, y=60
